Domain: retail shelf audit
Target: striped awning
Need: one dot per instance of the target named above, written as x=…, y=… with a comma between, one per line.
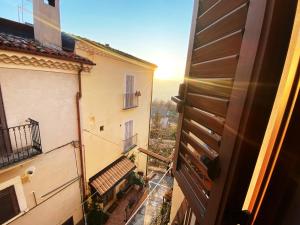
x=111, y=175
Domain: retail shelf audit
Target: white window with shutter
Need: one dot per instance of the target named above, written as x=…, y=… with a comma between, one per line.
x=129, y=91
x=128, y=142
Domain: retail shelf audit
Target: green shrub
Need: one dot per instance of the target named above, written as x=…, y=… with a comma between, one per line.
x=135, y=179
x=95, y=217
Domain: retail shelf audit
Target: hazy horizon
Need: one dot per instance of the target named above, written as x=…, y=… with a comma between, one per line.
x=165, y=89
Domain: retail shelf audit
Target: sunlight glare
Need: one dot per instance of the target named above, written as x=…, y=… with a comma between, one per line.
x=169, y=68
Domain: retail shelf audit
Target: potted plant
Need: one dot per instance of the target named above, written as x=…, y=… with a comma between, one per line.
x=95, y=215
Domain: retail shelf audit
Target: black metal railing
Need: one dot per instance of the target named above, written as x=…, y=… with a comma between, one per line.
x=131, y=100
x=129, y=143
x=19, y=143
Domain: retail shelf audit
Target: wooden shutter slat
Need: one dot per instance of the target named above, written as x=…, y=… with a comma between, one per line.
x=211, y=122
x=210, y=139
x=190, y=194
x=213, y=105
x=218, y=68
x=227, y=24
x=195, y=159
x=205, y=5
x=220, y=9
x=225, y=46
x=212, y=87
x=196, y=187
x=200, y=148
x=204, y=181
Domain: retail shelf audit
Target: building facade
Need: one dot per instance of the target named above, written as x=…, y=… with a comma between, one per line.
x=116, y=105
x=40, y=173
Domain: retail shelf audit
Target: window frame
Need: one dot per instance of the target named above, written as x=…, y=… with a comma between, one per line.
x=125, y=81
x=20, y=197
x=129, y=104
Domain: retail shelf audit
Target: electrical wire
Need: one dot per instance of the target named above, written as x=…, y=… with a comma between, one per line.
x=156, y=185
x=105, y=139
x=59, y=147
x=150, y=193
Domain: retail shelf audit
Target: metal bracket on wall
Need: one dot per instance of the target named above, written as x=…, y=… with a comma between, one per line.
x=179, y=102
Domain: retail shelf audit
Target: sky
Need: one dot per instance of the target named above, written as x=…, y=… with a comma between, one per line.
x=154, y=30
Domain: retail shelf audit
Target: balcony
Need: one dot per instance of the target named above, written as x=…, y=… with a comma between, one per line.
x=129, y=143
x=131, y=100
x=19, y=143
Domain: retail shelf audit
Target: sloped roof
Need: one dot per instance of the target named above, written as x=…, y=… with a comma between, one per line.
x=111, y=175
x=19, y=37
x=26, y=32
x=113, y=50
x=19, y=44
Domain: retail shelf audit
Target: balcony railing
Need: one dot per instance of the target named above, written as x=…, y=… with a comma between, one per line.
x=129, y=143
x=131, y=100
x=19, y=143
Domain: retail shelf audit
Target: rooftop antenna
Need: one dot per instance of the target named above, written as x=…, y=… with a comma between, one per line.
x=22, y=11
x=18, y=13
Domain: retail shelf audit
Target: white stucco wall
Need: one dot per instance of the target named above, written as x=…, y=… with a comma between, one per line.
x=48, y=98
x=102, y=105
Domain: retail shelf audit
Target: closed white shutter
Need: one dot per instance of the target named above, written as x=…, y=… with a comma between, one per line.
x=128, y=134
x=128, y=129
x=129, y=83
x=129, y=91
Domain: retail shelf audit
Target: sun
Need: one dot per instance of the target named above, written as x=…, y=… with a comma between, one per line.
x=168, y=68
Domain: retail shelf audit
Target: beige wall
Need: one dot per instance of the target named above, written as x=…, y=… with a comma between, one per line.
x=177, y=198
x=48, y=98
x=102, y=104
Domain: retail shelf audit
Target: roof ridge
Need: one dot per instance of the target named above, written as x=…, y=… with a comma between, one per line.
x=114, y=50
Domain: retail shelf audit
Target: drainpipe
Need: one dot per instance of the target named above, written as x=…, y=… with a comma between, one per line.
x=78, y=97
x=149, y=125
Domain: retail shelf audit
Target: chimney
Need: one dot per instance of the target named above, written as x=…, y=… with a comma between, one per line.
x=46, y=22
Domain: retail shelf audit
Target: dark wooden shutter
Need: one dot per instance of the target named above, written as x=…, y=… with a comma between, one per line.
x=9, y=206
x=226, y=100
x=5, y=145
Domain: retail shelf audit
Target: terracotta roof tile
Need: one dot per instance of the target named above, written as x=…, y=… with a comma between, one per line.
x=111, y=175
x=15, y=43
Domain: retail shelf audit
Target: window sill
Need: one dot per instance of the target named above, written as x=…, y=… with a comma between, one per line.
x=129, y=149
x=130, y=107
x=14, y=218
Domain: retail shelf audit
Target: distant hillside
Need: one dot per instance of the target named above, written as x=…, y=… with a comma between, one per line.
x=164, y=89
